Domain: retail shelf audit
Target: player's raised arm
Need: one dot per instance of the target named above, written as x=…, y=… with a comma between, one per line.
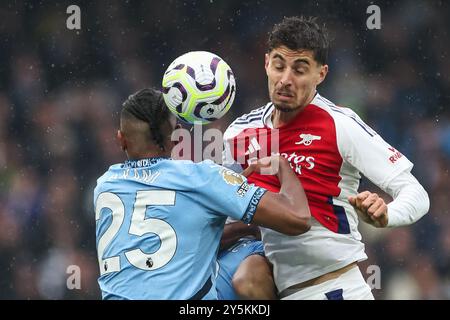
x=287, y=211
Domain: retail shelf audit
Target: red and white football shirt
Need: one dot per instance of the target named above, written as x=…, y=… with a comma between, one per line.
x=327, y=146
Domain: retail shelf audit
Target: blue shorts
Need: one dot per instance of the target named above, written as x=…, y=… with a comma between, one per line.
x=229, y=260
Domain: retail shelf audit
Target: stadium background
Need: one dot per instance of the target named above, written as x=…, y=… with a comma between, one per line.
x=60, y=91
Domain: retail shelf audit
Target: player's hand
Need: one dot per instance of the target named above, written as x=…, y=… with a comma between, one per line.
x=267, y=165
x=370, y=208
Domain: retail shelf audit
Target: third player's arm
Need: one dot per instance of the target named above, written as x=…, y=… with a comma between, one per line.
x=287, y=211
x=233, y=231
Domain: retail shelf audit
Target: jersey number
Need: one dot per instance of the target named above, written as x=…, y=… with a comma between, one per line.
x=139, y=226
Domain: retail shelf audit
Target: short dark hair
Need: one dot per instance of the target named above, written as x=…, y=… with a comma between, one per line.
x=148, y=105
x=301, y=33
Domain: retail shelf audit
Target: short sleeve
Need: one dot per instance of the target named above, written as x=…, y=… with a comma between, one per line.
x=225, y=192
x=365, y=150
x=227, y=158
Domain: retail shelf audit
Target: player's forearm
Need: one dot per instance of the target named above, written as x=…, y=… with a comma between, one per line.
x=410, y=202
x=292, y=190
x=286, y=211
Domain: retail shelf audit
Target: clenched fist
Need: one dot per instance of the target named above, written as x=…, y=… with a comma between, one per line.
x=371, y=208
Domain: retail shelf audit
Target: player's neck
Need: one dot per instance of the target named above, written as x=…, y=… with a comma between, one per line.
x=150, y=154
x=281, y=118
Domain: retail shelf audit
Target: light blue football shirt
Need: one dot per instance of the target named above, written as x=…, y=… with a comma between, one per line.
x=228, y=261
x=158, y=226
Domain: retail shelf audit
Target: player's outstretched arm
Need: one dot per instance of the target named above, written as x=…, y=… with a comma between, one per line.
x=287, y=211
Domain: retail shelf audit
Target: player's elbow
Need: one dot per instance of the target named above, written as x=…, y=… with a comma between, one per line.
x=300, y=224
x=421, y=202
x=425, y=203
x=409, y=206
x=298, y=230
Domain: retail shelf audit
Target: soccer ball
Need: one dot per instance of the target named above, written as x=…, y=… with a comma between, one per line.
x=199, y=87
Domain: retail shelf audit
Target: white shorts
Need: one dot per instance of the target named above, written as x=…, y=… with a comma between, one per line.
x=348, y=286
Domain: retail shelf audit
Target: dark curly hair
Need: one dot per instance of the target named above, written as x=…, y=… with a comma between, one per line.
x=297, y=33
x=148, y=105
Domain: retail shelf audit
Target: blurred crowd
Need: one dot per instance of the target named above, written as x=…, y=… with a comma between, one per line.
x=61, y=90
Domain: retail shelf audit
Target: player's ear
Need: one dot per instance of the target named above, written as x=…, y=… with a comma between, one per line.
x=174, y=124
x=266, y=61
x=322, y=74
x=176, y=136
x=121, y=139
